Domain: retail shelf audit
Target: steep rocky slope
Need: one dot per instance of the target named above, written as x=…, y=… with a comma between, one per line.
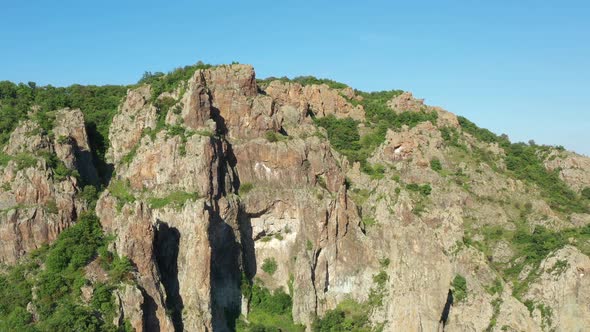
x=305, y=205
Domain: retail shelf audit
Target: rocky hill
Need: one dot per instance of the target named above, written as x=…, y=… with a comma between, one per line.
x=208, y=200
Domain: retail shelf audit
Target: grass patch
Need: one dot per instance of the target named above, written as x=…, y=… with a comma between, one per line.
x=176, y=199
x=120, y=190
x=245, y=188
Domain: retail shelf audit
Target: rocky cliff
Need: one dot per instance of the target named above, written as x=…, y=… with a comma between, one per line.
x=283, y=205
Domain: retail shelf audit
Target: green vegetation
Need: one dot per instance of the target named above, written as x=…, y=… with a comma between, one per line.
x=368, y=222
x=98, y=103
x=269, y=265
x=530, y=247
x=269, y=311
x=496, y=287
x=57, y=286
x=304, y=80
x=459, y=286
x=524, y=163
x=245, y=188
x=496, y=303
x=273, y=136
x=24, y=160
x=120, y=190
x=436, y=165
x=586, y=193
x=176, y=199
x=161, y=82
x=351, y=315
x=344, y=135
x=60, y=171
x=424, y=189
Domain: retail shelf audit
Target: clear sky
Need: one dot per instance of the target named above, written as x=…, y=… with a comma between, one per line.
x=516, y=67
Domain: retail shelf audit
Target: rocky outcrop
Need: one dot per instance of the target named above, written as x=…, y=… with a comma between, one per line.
x=35, y=203
x=560, y=295
x=320, y=100
x=573, y=168
x=405, y=102
x=71, y=144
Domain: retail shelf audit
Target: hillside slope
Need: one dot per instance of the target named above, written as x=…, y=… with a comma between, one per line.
x=230, y=203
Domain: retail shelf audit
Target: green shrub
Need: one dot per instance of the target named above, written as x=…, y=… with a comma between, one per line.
x=120, y=269
x=245, y=188
x=424, y=189
x=269, y=266
x=368, y=222
x=459, y=286
x=273, y=137
x=269, y=311
x=376, y=171
x=342, y=133
x=90, y=195
x=436, y=165
x=586, y=193
x=349, y=315
x=63, y=139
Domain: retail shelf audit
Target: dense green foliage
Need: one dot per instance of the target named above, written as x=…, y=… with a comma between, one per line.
x=586, y=193
x=269, y=311
x=348, y=316
x=57, y=285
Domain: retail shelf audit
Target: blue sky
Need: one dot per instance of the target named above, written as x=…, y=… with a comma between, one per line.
x=516, y=67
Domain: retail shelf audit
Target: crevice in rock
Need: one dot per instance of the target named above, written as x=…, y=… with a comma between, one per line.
x=314, y=263
x=166, y=244
x=444, y=317
x=149, y=309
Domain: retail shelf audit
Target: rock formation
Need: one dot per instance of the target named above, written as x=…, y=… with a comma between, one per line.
x=230, y=175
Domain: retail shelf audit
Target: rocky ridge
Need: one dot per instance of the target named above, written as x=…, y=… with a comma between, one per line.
x=220, y=178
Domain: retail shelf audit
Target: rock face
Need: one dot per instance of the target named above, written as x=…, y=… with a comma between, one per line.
x=35, y=203
x=560, y=294
x=573, y=168
x=220, y=176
